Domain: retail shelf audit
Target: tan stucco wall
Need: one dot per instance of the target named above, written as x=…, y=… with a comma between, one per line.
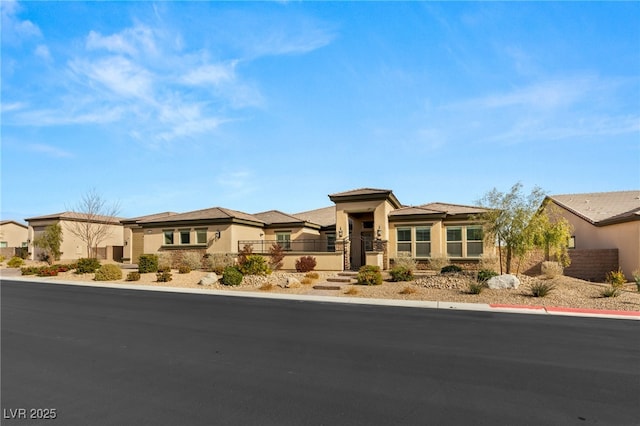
x=324, y=261
x=72, y=247
x=14, y=235
x=623, y=236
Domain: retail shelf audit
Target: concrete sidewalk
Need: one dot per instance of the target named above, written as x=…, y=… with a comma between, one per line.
x=483, y=307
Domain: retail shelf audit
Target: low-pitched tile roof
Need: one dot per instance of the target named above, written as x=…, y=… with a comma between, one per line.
x=366, y=194
x=602, y=208
x=324, y=217
x=272, y=217
x=77, y=217
x=361, y=191
x=438, y=209
x=7, y=222
x=149, y=216
x=212, y=213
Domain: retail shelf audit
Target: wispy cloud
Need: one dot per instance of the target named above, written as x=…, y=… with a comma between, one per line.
x=130, y=41
x=14, y=29
x=49, y=150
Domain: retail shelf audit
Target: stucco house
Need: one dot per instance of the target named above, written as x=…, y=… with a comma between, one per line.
x=74, y=248
x=363, y=226
x=606, y=232
x=13, y=235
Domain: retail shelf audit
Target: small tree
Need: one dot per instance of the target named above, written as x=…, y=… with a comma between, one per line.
x=551, y=232
x=507, y=220
x=50, y=241
x=276, y=255
x=94, y=220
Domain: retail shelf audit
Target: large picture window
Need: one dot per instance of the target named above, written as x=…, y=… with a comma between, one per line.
x=414, y=241
x=185, y=236
x=404, y=241
x=168, y=237
x=423, y=241
x=201, y=236
x=464, y=241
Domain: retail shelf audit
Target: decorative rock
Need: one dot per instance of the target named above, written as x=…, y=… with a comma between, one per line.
x=503, y=281
x=293, y=282
x=209, y=279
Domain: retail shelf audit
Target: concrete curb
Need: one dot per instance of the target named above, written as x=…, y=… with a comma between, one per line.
x=480, y=307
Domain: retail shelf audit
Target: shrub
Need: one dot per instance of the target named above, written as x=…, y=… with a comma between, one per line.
x=216, y=262
x=305, y=264
x=108, y=272
x=408, y=290
x=243, y=254
x=306, y=280
x=276, y=255
x=1, y=258
x=405, y=260
x=165, y=262
x=147, y=263
x=164, y=268
x=87, y=265
x=184, y=269
x=551, y=269
x=48, y=271
x=369, y=275
x=15, y=262
x=352, y=291
x=133, y=276
x=488, y=261
x=312, y=275
x=485, y=275
x=616, y=279
x=476, y=287
x=254, y=264
x=30, y=270
x=192, y=259
x=266, y=287
x=231, y=276
x=164, y=277
x=636, y=277
x=611, y=291
x=541, y=289
x=450, y=269
x=401, y=273
x=438, y=262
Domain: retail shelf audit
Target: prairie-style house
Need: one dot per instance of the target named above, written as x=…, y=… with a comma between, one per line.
x=363, y=227
x=13, y=237
x=606, y=232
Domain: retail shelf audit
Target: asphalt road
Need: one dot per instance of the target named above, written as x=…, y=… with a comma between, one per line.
x=125, y=357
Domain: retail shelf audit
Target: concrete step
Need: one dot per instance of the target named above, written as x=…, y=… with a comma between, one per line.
x=348, y=274
x=327, y=286
x=345, y=280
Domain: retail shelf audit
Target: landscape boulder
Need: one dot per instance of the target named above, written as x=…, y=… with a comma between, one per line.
x=209, y=279
x=292, y=282
x=503, y=281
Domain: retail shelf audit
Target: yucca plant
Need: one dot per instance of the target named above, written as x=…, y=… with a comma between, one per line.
x=541, y=289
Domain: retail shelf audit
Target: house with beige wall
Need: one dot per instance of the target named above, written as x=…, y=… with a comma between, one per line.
x=604, y=221
x=363, y=227
x=73, y=248
x=13, y=235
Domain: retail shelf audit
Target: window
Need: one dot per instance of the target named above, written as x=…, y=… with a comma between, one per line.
x=284, y=240
x=185, y=236
x=404, y=240
x=464, y=241
x=331, y=242
x=168, y=238
x=201, y=236
x=3, y=244
x=474, y=241
x=423, y=241
x=454, y=241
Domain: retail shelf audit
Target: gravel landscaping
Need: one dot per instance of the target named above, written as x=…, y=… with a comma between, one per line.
x=568, y=292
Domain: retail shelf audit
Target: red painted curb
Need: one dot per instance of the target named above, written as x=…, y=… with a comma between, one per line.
x=505, y=306
x=594, y=311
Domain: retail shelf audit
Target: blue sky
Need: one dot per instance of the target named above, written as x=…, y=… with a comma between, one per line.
x=178, y=106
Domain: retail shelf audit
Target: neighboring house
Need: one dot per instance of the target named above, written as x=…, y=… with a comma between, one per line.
x=604, y=224
x=13, y=235
x=363, y=227
x=73, y=247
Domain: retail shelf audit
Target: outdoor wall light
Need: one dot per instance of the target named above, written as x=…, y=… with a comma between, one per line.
x=379, y=232
x=340, y=233
x=217, y=234
x=126, y=243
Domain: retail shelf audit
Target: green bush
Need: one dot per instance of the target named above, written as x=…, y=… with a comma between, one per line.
x=15, y=262
x=133, y=276
x=370, y=275
x=312, y=275
x=216, y=262
x=184, y=269
x=401, y=273
x=476, y=287
x=611, y=291
x=616, y=279
x=1, y=258
x=450, y=269
x=30, y=270
x=164, y=267
x=148, y=263
x=254, y=264
x=485, y=275
x=87, y=265
x=541, y=289
x=164, y=277
x=305, y=264
x=108, y=272
x=231, y=276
